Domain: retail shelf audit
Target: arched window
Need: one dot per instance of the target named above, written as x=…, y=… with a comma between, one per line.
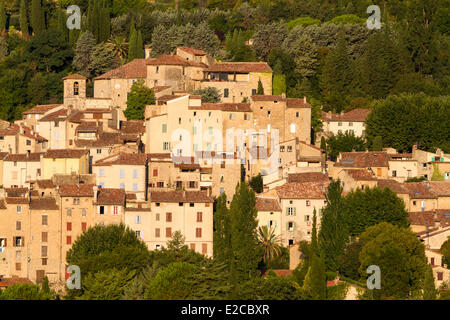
x=75, y=88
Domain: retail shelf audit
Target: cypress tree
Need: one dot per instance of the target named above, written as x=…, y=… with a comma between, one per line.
x=132, y=42
x=316, y=280
x=37, y=17
x=377, y=143
x=23, y=19
x=429, y=289
x=2, y=17
x=314, y=241
x=245, y=250
x=222, y=231
x=139, y=46
x=105, y=24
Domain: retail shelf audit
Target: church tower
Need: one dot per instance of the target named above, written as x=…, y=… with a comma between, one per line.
x=75, y=91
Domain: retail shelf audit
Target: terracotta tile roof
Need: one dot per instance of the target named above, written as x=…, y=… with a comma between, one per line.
x=280, y=272
x=45, y=184
x=429, y=218
x=3, y=155
x=240, y=67
x=419, y=190
x=160, y=88
x=167, y=97
x=356, y=115
x=2, y=204
x=43, y=204
x=57, y=115
x=267, y=204
x=132, y=127
x=159, y=156
x=16, y=192
x=440, y=188
x=65, y=153
x=179, y=196
x=27, y=132
x=97, y=110
x=104, y=139
x=360, y=174
x=308, y=177
x=363, y=159
x=132, y=70
x=6, y=282
x=227, y=107
x=75, y=76
x=193, y=51
x=266, y=97
x=131, y=196
x=76, y=116
x=109, y=196
x=41, y=109
x=394, y=185
x=23, y=157
x=12, y=130
x=88, y=126
x=297, y=103
x=138, y=159
x=305, y=190
x=73, y=190
x=16, y=200
x=171, y=60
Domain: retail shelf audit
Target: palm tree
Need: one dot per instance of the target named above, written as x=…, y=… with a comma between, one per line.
x=270, y=242
x=120, y=47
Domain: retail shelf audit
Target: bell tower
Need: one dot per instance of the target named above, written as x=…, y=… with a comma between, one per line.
x=75, y=90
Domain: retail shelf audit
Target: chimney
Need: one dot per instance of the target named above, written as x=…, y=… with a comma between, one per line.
x=304, y=99
x=95, y=190
x=283, y=95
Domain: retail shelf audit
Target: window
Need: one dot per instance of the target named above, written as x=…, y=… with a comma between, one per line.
x=138, y=219
x=83, y=226
x=166, y=145
x=155, y=172
x=378, y=172
x=192, y=246
x=160, y=184
x=43, y=251
x=101, y=210
x=69, y=212
x=350, y=124
x=198, y=232
x=225, y=93
x=440, y=276
x=306, y=218
x=99, y=151
x=222, y=190
x=297, y=114
x=157, y=234
x=340, y=124
x=116, y=210
x=122, y=185
x=122, y=173
x=179, y=120
x=168, y=232
x=204, y=248
x=308, y=203
x=138, y=233
x=76, y=201
x=168, y=216
x=432, y=261
x=292, y=128
x=394, y=173
x=69, y=226
x=135, y=187
x=19, y=209
x=76, y=87
x=268, y=114
x=18, y=225
x=289, y=148
x=191, y=204
x=164, y=128
x=199, y=216
x=28, y=142
x=290, y=226
x=102, y=172
x=83, y=212
x=180, y=204
x=2, y=242
x=253, y=92
x=281, y=148
x=18, y=241
x=69, y=240
x=44, y=220
x=18, y=266
x=291, y=211
x=192, y=184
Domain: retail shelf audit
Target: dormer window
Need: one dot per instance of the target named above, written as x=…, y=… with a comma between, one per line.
x=75, y=88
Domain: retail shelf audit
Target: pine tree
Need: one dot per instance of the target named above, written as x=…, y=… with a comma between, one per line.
x=23, y=19
x=222, y=231
x=244, y=242
x=37, y=17
x=2, y=17
x=83, y=53
x=429, y=289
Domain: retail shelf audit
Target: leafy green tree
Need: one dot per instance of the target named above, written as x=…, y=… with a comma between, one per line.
x=120, y=47
x=400, y=256
x=102, y=59
x=348, y=19
x=348, y=263
x=304, y=51
x=302, y=21
x=429, y=289
x=136, y=289
x=83, y=53
x=139, y=96
x=279, y=84
x=24, y=292
x=270, y=242
x=361, y=209
x=395, y=120
x=445, y=250
x=107, y=284
x=344, y=142
x=271, y=288
x=244, y=242
x=306, y=255
x=377, y=144
x=209, y=94
x=333, y=234
x=256, y=183
x=267, y=37
x=437, y=175
x=315, y=283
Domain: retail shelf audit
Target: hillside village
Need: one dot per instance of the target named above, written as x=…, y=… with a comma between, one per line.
x=67, y=167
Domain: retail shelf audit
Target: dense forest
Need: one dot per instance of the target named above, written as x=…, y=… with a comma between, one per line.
x=319, y=49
